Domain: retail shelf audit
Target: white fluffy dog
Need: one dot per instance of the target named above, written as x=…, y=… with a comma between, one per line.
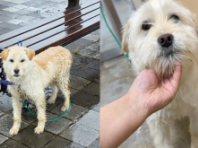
x=31, y=74
x=158, y=35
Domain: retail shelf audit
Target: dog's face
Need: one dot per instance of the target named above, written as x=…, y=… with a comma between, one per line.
x=17, y=62
x=160, y=34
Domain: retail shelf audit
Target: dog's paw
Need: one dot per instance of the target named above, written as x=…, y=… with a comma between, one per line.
x=64, y=108
x=50, y=101
x=38, y=130
x=13, y=131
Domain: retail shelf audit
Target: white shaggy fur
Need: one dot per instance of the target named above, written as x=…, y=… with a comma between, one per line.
x=51, y=67
x=146, y=52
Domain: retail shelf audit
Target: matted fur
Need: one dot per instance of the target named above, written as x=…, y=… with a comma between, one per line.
x=145, y=52
x=50, y=67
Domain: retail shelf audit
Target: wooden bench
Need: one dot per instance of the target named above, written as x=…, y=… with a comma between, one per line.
x=62, y=29
x=58, y=30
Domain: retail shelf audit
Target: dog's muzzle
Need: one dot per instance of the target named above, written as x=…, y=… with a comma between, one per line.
x=16, y=72
x=166, y=41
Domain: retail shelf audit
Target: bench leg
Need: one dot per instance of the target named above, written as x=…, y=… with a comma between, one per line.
x=72, y=3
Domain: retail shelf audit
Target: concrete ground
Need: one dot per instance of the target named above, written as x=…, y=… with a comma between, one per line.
x=15, y=14
x=80, y=127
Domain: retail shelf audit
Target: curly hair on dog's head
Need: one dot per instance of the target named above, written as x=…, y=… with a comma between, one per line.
x=160, y=21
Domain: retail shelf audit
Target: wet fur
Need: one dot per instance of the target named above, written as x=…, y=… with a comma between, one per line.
x=51, y=67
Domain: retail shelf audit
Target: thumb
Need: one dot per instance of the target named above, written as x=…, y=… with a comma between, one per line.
x=175, y=79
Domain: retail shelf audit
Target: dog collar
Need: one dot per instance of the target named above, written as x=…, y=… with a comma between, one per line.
x=5, y=82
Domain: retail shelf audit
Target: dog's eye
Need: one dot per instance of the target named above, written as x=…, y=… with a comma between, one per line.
x=22, y=61
x=146, y=26
x=175, y=17
x=11, y=60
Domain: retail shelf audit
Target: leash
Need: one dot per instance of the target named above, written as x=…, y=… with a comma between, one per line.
x=53, y=120
x=125, y=54
x=5, y=82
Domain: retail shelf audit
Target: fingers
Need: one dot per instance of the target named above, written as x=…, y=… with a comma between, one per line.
x=177, y=72
x=176, y=76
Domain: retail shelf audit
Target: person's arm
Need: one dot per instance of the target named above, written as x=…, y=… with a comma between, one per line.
x=147, y=94
x=119, y=120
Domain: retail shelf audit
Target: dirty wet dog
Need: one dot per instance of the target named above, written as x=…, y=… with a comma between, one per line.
x=31, y=74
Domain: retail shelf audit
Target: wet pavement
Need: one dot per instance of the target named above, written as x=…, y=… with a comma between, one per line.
x=15, y=14
x=72, y=130
x=80, y=127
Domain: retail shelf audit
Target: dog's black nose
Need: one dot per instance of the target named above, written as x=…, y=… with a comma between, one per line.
x=16, y=71
x=165, y=40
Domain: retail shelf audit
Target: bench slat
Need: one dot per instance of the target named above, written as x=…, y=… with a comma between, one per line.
x=67, y=36
x=47, y=28
x=22, y=30
x=60, y=29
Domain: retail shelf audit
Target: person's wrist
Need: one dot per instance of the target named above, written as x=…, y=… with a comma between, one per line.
x=136, y=105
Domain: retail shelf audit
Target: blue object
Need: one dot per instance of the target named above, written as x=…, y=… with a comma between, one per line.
x=4, y=82
x=19, y=43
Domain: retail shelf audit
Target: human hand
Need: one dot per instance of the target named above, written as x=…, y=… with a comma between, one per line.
x=152, y=93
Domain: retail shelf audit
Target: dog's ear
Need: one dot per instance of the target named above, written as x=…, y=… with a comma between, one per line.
x=30, y=53
x=125, y=37
x=4, y=54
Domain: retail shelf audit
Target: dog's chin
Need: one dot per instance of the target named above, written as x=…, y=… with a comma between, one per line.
x=164, y=65
x=16, y=77
x=167, y=73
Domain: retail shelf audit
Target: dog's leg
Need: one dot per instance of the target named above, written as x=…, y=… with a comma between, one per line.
x=194, y=128
x=66, y=93
x=17, y=107
x=161, y=131
x=41, y=115
x=63, y=84
x=53, y=96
